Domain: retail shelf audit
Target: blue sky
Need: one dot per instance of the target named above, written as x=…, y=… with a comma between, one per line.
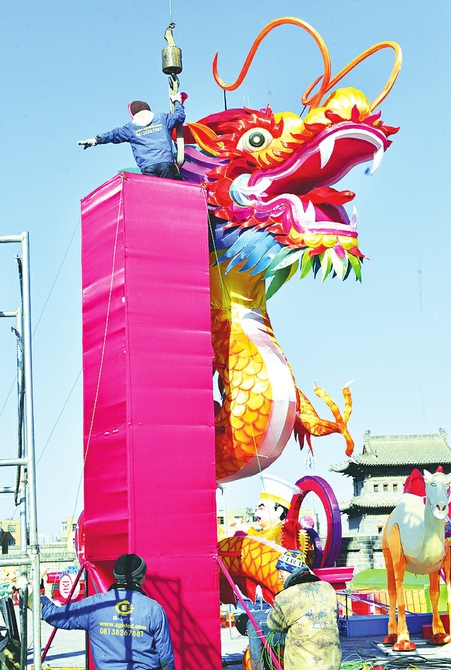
x=68, y=71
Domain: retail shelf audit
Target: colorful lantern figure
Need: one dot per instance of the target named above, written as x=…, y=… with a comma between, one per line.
x=414, y=540
x=272, y=508
x=250, y=558
x=278, y=519
x=273, y=212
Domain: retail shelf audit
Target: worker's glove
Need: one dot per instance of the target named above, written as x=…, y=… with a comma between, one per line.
x=88, y=143
x=176, y=98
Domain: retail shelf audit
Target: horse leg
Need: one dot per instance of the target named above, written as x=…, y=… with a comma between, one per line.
x=403, y=642
x=438, y=632
x=391, y=587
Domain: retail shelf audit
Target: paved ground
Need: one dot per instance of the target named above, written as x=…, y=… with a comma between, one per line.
x=361, y=651
x=357, y=649
x=68, y=651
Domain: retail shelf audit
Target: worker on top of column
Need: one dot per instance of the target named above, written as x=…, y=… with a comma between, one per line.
x=149, y=135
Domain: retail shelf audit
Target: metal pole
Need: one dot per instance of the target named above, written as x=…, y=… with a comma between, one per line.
x=67, y=600
x=14, y=560
x=23, y=515
x=13, y=239
x=23, y=483
x=30, y=452
x=23, y=606
x=15, y=461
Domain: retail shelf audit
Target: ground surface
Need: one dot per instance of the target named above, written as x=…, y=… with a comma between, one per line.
x=68, y=651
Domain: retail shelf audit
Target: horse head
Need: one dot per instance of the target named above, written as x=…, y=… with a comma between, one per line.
x=438, y=493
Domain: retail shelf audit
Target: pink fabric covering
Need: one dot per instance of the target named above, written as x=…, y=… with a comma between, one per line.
x=148, y=401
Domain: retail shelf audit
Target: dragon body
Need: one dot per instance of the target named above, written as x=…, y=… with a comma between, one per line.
x=273, y=212
x=257, y=413
x=250, y=562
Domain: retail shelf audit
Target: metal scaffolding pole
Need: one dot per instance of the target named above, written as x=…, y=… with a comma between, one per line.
x=28, y=503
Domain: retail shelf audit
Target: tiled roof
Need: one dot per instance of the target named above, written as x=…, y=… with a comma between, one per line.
x=371, y=502
x=392, y=450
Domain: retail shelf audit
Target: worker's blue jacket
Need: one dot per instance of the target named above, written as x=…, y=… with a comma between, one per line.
x=149, y=135
x=126, y=629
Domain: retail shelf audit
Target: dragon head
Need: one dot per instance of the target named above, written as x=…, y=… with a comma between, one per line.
x=274, y=173
x=270, y=176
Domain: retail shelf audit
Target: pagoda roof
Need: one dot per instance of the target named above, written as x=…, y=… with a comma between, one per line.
x=398, y=450
x=387, y=502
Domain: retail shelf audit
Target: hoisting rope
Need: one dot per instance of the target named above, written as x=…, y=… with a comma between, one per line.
x=105, y=331
x=260, y=634
x=173, y=81
x=96, y=395
x=172, y=65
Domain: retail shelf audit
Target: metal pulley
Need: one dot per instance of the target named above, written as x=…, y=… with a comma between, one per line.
x=171, y=55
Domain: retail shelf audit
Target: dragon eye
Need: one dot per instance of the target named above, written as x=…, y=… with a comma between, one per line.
x=255, y=140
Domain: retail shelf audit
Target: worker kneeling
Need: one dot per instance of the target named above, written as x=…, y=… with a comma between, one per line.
x=307, y=611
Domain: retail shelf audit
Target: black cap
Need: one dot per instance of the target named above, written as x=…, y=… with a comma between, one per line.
x=137, y=106
x=129, y=569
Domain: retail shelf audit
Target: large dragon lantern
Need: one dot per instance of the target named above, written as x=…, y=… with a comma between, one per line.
x=273, y=211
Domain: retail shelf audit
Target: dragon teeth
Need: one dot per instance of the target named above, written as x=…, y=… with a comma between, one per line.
x=326, y=148
x=308, y=219
x=355, y=217
x=377, y=159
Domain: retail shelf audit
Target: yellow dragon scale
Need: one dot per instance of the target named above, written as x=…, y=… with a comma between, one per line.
x=255, y=379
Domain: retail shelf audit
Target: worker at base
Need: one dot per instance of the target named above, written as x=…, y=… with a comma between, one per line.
x=307, y=611
x=149, y=135
x=127, y=629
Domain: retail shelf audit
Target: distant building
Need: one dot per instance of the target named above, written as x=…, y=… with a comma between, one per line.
x=230, y=521
x=380, y=471
x=240, y=519
x=9, y=534
x=68, y=529
x=379, y=474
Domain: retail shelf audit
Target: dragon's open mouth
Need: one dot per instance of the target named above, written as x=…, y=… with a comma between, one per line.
x=299, y=192
x=326, y=159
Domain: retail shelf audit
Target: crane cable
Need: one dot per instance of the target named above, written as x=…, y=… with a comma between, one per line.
x=172, y=66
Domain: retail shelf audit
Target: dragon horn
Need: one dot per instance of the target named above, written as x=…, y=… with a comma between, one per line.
x=327, y=83
x=273, y=24
x=365, y=54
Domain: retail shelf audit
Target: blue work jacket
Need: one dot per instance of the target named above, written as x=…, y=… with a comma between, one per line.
x=126, y=629
x=149, y=135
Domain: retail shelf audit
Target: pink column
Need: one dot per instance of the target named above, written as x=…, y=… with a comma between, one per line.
x=148, y=402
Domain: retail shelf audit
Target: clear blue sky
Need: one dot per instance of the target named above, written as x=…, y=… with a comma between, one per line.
x=68, y=71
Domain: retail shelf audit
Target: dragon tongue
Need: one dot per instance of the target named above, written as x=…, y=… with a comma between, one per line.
x=327, y=194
